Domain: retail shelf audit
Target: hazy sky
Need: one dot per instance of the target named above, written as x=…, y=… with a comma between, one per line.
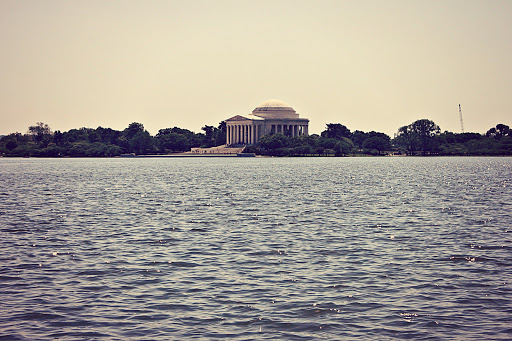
x=370, y=65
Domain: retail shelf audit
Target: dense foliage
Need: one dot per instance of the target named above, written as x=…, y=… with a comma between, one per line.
x=41, y=141
x=422, y=137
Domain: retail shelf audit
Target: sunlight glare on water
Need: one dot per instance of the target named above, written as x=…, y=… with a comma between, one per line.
x=256, y=248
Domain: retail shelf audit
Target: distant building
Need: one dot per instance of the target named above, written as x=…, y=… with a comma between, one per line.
x=270, y=117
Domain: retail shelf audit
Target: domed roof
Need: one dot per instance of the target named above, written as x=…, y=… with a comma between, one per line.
x=274, y=103
x=274, y=108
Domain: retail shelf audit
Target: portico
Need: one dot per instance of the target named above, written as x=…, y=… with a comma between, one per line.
x=271, y=117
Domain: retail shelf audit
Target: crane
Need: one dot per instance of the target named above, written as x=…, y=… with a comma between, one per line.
x=461, y=123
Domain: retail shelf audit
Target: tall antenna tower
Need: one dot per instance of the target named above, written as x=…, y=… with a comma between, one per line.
x=461, y=123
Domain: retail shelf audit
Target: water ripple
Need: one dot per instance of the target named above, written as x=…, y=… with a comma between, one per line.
x=262, y=248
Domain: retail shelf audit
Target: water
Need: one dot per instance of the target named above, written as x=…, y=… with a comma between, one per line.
x=256, y=248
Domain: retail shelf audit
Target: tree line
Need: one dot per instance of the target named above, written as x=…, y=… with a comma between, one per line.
x=40, y=140
x=422, y=137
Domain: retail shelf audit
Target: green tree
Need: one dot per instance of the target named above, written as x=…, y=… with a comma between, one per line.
x=135, y=139
x=377, y=143
x=133, y=129
x=505, y=145
x=275, y=141
x=499, y=131
x=220, y=134
x=141, y=143
x=302, y=150
x=177, y=140
x=209, y=136
x=404, y=140
x=336, y=131
x=57, y=137
x=358, y=138
x=11, y=145
x=338, y=147
x=419, y=136
x=108, y=135
x=40, y=131
x=426, y=130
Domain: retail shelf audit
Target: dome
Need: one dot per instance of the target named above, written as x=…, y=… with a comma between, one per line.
x=274, y=103
x=274, y=108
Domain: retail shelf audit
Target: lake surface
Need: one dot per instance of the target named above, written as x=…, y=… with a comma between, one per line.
x=256, y=248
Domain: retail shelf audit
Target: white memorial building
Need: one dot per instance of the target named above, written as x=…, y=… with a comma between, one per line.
x=270, y=117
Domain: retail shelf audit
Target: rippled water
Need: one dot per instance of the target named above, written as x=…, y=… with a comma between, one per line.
x=256, y=248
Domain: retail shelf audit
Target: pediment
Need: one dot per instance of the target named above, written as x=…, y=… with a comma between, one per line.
x=238, y=118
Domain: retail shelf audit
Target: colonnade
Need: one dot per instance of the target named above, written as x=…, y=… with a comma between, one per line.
x=244, y=133
x=290, y=129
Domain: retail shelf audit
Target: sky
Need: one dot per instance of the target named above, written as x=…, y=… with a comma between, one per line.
x=368, y=64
